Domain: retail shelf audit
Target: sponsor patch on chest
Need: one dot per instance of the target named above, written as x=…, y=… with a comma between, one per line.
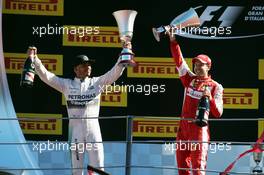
x=82, y=97
x=194, y=93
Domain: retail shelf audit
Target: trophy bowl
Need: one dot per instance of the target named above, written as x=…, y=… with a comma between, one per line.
x=125, y=21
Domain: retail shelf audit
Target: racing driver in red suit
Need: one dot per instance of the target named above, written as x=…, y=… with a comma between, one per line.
x=196, y=85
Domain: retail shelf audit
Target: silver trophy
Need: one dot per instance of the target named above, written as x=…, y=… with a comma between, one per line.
x=186, y=19
x=257, y=156
x=125, y=21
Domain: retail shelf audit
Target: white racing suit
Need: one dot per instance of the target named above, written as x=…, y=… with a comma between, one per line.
x=83, y=101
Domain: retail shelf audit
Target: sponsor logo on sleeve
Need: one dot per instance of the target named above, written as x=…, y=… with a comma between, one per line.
x=149, y=67
x=14, y=62
x=48, y=124
x=34, y=7
x=240, y=98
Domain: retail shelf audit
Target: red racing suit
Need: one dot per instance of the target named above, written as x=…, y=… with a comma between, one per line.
x=192, y=140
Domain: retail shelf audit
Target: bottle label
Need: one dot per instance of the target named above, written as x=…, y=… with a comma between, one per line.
x=29, y=76
x=206, y=115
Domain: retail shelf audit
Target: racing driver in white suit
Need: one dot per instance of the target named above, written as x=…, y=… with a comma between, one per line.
x=83, y=101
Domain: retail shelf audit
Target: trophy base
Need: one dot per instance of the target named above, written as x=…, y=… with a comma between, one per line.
x=126, y=58
x=156, y=34
x=257, y=171
x=126, y=63
x=160, y=32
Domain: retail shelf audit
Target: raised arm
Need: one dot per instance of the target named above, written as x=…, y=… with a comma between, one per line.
x=183, y=69
x=112, y=75
x=48, y=77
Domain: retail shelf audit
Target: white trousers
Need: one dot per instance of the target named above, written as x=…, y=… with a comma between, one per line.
x=84, y=133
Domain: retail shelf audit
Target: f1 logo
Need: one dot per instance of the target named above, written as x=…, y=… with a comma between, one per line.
x=227, y=18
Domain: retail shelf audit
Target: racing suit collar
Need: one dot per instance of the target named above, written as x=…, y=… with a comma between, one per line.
x=203, y=78
x=80, y=80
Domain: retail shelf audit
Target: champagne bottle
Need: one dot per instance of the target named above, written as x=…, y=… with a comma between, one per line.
x=28, y=73
x=203, y=110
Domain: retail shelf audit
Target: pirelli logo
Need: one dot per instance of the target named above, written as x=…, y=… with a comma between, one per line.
x=34, y=7
x=240, y=98
x=114, y=97
x=261, y=69
x=149, y=67
x=98, y=37
x=14, y=62
x=48, y=124
x=144, y=127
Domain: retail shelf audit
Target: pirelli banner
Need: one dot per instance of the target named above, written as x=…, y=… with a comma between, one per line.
x=14, y=62
x=261, y=69
x=146, y=127
x=260, y=127
x=113, y=96
x=155, y=67
x=235, y=98
x=34, y=7
x=91, y=36
x=48, y=124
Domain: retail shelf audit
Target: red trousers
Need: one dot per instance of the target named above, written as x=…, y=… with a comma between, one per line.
x=190, y=151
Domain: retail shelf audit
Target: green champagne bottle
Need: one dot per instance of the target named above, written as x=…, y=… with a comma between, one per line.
x=28, y=73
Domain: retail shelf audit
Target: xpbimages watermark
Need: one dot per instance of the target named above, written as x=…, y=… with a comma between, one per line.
x=145, y=89
x=206, y=31
x=195, y=146
x=64, y=146
x=81, y=31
